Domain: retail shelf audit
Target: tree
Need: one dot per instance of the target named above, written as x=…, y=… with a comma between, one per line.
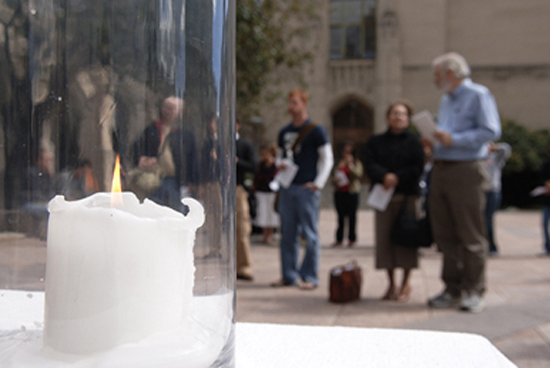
x=521, y=173
x=529, y=148
x=266, y=30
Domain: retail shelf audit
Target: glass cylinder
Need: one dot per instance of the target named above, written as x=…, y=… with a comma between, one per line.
x=117, y=200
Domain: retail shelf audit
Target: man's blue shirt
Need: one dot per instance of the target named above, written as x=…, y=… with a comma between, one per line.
x=470, y=115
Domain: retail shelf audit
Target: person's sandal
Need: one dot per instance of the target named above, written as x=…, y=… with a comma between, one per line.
x=280, y=283
x=404, y=295
x=390, y=294
x=308, y=286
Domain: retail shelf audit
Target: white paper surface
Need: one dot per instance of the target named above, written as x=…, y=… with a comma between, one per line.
x=341, y=178
x=286, y=175
x=538, y=191
x=425, y=124
x=379, y=197
x=288, y=346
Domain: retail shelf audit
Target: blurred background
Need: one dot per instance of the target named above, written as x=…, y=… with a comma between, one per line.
x=356, y=56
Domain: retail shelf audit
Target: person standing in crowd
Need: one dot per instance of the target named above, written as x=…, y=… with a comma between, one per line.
x=266, y=217
x=213, y=168
x=425, y=179
x=39, y=183
x=306, y=145
x=81, y=182
x=347, y=180
x=546, y=205
x=38, y=187
x=468, y=121
x=395, y=159
x=171, y=151
x=498, y=154
x=246, y=164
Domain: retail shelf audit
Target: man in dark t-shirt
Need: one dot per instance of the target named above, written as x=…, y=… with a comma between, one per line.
x=299, y=202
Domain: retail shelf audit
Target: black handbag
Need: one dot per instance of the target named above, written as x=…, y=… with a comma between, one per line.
x=408, y=231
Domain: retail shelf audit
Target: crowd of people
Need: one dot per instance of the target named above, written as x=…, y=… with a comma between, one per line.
x=453, y=177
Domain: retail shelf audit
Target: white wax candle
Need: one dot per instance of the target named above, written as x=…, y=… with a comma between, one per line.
x=116, y=275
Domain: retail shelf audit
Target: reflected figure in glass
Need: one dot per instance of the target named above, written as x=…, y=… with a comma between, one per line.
x=158, y=154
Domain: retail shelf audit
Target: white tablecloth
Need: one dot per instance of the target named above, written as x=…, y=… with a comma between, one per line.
x=286, y=346
x=267, y=346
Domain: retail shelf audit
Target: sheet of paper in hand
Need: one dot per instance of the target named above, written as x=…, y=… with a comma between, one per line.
x=424, y=122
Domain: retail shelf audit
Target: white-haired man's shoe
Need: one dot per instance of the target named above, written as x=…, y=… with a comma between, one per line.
x=444, y=300
x=472, y=303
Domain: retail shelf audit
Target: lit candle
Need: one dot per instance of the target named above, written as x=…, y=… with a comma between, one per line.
x=116, y=273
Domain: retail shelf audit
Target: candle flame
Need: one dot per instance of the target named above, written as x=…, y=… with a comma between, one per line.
x=116, y=185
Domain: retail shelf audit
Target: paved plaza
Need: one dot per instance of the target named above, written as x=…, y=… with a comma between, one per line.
x=516, y=320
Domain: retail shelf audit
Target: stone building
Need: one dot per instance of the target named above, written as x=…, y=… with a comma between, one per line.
x=371, y=52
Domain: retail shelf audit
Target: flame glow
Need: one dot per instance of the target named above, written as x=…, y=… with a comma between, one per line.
x=116, y=185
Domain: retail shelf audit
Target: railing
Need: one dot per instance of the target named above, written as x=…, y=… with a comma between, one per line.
x=351, y=75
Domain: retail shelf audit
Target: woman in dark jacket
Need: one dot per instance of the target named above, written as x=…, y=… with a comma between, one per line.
x=395, y=159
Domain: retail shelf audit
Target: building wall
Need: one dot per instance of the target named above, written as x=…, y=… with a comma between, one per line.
x=503, y=40
x=500, y=32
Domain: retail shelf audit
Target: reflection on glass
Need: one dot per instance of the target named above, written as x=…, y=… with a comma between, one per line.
x=150, y=82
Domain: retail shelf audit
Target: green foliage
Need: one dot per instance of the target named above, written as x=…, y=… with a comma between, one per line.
x=264, y=42
x=529, y=147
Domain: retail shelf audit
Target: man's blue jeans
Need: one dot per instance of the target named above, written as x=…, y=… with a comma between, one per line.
x=299, y=210
x=545, y=221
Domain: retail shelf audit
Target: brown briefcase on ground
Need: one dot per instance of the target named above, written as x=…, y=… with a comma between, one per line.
x=345, y=283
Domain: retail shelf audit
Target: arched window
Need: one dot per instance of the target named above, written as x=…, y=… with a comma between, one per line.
x=352, y=29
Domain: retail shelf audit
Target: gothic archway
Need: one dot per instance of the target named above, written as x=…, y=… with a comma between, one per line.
x=352, y=121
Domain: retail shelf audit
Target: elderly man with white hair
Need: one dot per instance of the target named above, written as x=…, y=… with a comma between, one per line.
x=467, y=121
